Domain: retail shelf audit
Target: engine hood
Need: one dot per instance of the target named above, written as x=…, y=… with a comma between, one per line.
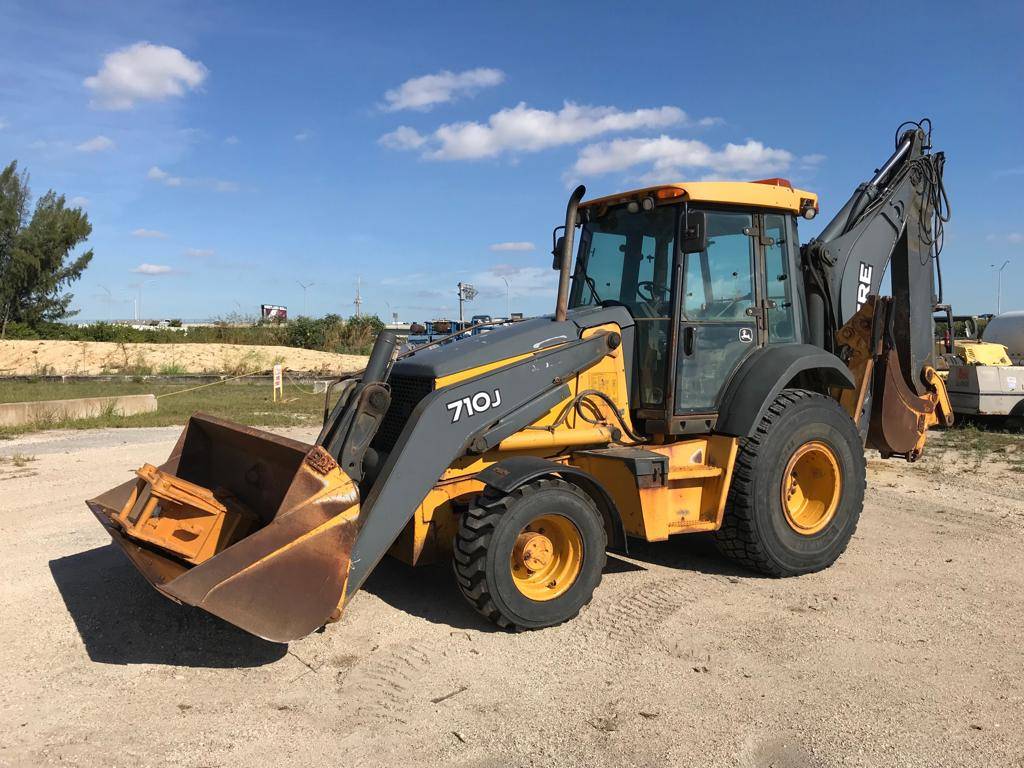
x=507, y=341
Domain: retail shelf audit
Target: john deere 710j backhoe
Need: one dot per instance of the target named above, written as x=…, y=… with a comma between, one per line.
x=702, y=372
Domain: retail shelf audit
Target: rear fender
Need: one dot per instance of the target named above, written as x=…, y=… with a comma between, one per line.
x=765, y=374
x=505, y=476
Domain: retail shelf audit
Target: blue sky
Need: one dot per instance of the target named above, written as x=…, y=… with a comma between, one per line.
x=226, y=151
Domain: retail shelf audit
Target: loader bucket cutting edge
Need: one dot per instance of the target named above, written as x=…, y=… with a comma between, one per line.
x=284, y=572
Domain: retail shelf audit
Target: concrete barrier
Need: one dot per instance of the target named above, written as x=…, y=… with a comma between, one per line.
x=14, y=414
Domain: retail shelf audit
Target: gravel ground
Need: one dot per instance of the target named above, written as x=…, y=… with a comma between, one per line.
x=906, y=653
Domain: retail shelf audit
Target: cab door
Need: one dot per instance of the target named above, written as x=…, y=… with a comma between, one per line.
x=720, y=318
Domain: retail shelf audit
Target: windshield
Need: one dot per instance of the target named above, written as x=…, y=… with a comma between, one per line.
x=625, y=258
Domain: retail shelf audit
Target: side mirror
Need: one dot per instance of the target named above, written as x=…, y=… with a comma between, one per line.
x=693, y=233
x=557, y=243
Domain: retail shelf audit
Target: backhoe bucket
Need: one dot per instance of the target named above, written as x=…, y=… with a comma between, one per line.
x=250, y=526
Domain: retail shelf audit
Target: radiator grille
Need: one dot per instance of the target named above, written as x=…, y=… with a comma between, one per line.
x=406, y=393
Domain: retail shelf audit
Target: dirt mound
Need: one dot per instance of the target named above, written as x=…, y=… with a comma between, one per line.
x=29, y=358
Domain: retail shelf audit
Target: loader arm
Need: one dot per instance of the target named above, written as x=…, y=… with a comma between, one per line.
x=893, y=221
x=443, y=427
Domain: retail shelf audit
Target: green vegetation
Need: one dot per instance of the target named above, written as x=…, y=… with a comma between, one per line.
x=976, y=443
x=35, y=253
x=331, y=333
x=18, y=460
x=248, y=403
x=172, y=369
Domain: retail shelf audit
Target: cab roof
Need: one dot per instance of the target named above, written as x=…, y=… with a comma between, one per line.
x=765, y=193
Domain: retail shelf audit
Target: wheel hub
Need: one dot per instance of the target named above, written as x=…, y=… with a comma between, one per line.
x=811, y=488
x=533, y=551
x=547, y=557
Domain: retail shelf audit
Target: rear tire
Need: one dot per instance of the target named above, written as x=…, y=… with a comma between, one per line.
x=797, y=488
x=533, y=558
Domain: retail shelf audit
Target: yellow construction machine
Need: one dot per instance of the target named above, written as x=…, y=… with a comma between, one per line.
x=702, y=371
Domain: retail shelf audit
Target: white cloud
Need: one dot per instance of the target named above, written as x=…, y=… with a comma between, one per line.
x=231, y=140
x=303, y=135
x=149, y=233
x=811, y=161
x=4, y=124
x=422, y=93
x=513, y=246
x=152, y=269
x=199, y=253
x=218, y=185
x=143, y=72
x=523, y=282
x=667, y=158
x=96, y=144
x=403, y=137
x=524, y=129
x=1009, y=238
x=159, y=174
x=78, y=201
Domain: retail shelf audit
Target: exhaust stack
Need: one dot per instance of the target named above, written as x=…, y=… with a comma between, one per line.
x=562, y=305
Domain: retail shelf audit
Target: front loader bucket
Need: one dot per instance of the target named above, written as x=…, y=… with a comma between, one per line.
x=255, y=528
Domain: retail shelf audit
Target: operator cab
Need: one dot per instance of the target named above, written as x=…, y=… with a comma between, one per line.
x=709, y=272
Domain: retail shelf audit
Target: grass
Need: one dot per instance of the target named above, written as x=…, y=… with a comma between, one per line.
x=248, y=403
x=18, y=460
x=172, y=369
x=977, y=443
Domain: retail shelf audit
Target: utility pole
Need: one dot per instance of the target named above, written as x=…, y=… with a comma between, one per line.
x=508, y=299
x=304, y=287
x=359, y=299
x=999, y=287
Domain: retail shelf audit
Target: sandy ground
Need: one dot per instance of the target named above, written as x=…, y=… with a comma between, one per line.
x=31, y=358
x=907, y=653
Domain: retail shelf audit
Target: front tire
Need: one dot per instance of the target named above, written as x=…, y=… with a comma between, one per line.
x=797, y=488
x=533, y=558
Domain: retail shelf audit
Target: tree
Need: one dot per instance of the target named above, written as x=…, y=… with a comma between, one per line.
x=36, y=263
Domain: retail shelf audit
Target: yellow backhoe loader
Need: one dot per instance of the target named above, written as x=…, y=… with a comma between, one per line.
x=701, y=372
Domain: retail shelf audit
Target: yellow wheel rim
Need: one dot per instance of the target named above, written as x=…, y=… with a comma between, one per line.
x=547, y=557
x=811, y=488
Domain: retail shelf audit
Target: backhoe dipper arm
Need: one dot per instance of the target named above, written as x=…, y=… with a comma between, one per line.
x=894, y=221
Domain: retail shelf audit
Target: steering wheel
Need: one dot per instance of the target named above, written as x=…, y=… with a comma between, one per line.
x=657, y=296
x=728, y=309
x=655, y=292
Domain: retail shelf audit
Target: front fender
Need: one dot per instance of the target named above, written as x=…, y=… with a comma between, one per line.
x=505, y=476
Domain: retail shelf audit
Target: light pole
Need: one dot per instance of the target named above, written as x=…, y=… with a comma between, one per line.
x=508, y=299
x=304, y=287
x=110, y=303
x=466, y=293
x=138, y=299
x=999, y=286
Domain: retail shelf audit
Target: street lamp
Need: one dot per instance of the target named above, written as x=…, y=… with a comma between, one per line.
x=304, y=287
x=138, y=298
x=508, y=298
x=110, y=303
x=999, y=286
x=466, y=293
